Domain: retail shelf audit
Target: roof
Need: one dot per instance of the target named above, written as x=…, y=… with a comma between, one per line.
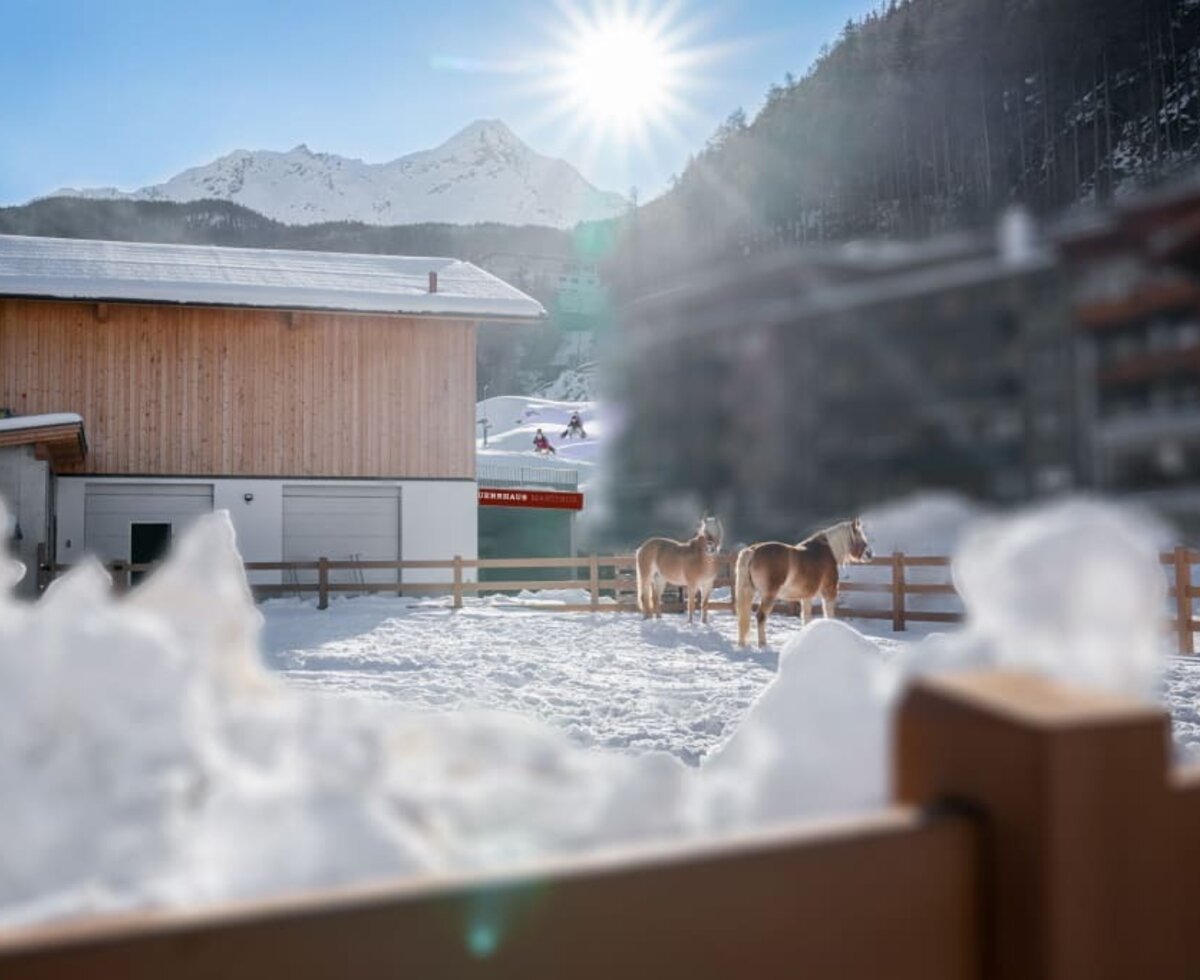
x=97, y=271
x=58, y=437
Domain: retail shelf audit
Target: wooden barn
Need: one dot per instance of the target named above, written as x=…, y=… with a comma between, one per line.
x=325, y=400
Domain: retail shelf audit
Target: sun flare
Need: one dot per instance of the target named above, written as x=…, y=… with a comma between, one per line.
x=620, y=71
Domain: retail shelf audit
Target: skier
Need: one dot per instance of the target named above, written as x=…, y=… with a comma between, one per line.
x=574, y=427
x=542, y=444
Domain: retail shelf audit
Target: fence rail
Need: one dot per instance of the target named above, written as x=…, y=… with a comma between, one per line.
x=608, y=580
x=520, y=475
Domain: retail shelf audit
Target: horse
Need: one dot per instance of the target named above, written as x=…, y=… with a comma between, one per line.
x=776, y=570
x=692, y=564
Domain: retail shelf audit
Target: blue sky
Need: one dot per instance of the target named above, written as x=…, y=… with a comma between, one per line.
x=125, y=93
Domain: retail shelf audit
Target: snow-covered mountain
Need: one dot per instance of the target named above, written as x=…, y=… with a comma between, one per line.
x=484, y=173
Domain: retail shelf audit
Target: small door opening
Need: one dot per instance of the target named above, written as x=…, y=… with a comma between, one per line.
x=147, y=543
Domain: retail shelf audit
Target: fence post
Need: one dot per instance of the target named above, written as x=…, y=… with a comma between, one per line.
x=898, y=618
x=594, y=573
x=322, y=582
x=458, y=581
x=1088, y=849
x=1183, y=600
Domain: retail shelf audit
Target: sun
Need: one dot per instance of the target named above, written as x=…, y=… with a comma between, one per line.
x=619, y=71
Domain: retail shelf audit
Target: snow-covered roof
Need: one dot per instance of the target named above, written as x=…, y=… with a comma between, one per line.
x=60, y=434
x=17, y=422
x=80, y=269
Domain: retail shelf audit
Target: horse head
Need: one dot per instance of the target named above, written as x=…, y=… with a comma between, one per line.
x=711, y=530
x=860, y=548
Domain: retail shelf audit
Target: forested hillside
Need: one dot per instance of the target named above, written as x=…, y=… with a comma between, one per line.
x=936, y=114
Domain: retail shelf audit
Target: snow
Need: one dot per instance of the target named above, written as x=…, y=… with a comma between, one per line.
x=95, y=270
x=572, y=385
x=607, y=680
x=152, y=754
x=1090, y=588
x=19, y=422
x=483, y=173
x=515, y=418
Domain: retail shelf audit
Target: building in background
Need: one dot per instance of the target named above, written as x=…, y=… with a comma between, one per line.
x=1136, y=286
x=326, y=400
x=802, y=386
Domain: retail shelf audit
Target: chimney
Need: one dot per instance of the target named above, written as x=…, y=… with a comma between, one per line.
x=433, y=282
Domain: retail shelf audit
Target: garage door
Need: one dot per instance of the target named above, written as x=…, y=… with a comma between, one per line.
x=118, y=516
x=342, y=522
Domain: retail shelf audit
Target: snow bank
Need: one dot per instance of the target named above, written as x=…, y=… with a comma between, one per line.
x=147, y=757
x=1072, y=590
x=814, y=742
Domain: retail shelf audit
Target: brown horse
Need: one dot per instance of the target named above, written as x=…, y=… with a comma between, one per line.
x=782, y=571
x=691, y=564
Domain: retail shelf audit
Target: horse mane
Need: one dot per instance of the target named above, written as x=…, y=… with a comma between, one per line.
x=822, y=537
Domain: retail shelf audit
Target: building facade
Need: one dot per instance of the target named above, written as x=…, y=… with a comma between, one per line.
x=325, y=400
x=802, y=387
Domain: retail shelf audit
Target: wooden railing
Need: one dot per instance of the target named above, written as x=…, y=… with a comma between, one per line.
x=1035, y=832
x=610, y=577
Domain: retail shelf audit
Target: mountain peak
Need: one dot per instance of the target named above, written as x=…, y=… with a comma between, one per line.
x=488, y=132
x=485, y=172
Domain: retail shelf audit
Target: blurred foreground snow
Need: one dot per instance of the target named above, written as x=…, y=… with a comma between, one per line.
x=147, y=756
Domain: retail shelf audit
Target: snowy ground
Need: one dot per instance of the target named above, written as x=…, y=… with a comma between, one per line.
x=607, y=680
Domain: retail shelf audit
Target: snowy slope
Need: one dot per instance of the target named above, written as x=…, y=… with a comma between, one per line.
x=484, y=173
x=515, y=418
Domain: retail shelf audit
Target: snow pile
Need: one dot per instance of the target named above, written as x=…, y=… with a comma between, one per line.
x=1074, y=591
x=147, y=757
x=815, y=741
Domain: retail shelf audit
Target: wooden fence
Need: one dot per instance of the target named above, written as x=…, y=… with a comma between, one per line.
x=610, y=577
x=1035, y=831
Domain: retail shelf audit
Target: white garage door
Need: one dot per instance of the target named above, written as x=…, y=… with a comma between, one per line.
x=340, y=523
x=116, y=513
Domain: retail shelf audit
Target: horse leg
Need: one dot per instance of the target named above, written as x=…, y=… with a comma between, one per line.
x=705, y=592
x=691, y=600
x=764, y=610
x=806, y=610
x=829, y=604
x=659, y=587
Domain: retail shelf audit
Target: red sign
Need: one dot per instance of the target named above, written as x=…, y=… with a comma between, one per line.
x=547, y=499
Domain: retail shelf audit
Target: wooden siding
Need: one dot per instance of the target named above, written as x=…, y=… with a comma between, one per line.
x=212, y=391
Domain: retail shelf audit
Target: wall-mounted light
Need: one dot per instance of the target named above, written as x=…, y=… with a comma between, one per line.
x=248, y=497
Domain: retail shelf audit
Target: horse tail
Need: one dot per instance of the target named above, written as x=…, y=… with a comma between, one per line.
x=642, y=566
x=743, y=594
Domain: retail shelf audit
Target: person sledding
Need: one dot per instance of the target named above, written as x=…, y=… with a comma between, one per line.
x=542, y=445
x=574, y=427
